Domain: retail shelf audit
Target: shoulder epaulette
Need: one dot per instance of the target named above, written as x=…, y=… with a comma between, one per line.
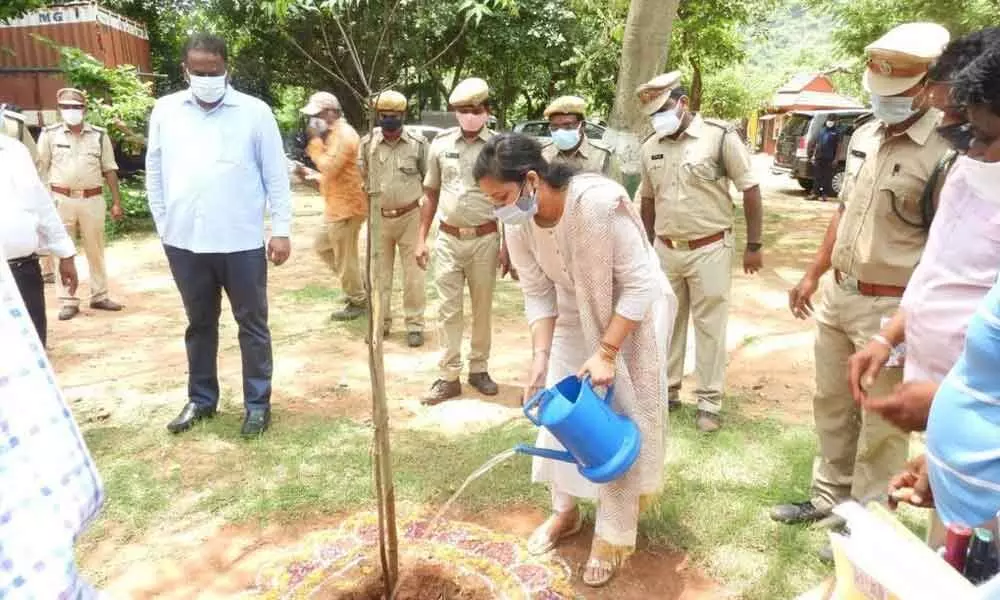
x=600, y=145
x=723, y=125
x=413, y=135
x=15, y=116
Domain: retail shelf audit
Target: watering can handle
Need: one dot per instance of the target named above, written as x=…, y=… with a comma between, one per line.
x=608, y=394
x=532, y=404
x=545, y=453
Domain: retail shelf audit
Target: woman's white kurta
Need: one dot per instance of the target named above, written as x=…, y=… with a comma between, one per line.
x=544, y=258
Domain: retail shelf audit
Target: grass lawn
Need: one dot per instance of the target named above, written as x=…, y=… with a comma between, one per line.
x=718, y=489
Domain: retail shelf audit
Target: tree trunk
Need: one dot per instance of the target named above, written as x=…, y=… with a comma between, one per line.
x=696, y=86
x=644, y=52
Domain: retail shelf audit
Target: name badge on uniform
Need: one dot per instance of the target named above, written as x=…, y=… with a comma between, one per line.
x=451, y=155
x=656, y=157
x=63, y=146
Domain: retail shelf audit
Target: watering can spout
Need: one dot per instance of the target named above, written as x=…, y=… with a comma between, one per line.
x=545, y=453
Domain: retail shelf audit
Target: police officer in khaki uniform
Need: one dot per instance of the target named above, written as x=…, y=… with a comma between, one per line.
x=467, y=248
x=393, y=163
x=688, y=164
x=570, y=144
x=75, y=159
x=873, y=244
x=12, y=123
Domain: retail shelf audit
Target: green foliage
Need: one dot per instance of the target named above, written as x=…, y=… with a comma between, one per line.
x=290, y=99
x=137, y=217
x=860, y=22
x=116, y=97
x=12, y=9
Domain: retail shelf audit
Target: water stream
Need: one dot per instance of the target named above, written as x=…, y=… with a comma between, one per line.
x=483, y=470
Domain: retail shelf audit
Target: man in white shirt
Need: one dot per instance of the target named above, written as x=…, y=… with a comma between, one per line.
x=29, y=223
x=214, y=164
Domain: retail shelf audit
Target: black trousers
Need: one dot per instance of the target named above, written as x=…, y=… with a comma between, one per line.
x=201, y=278
x=28, y=277
x=823, y=178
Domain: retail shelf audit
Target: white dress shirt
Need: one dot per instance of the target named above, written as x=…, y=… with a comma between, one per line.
x=28, y=218
x=211, y=174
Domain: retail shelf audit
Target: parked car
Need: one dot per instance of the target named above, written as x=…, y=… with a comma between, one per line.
x=428, y=131
x=540, y=129
x=798, y=138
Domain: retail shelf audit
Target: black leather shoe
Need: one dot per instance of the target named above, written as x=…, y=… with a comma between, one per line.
x=442, y=390
x=483, y=383
x=191, y=414
x=256, y=422
x=798, y=512
x=350, y=312
x=415, y=339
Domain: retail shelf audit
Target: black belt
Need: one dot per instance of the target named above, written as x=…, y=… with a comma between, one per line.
x=20, y=262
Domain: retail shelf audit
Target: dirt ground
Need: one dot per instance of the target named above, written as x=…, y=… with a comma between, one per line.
x=128, y=368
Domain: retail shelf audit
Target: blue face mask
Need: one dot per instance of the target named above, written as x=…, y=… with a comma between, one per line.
x=892, y=110
x=520, y=212
x=566, y=139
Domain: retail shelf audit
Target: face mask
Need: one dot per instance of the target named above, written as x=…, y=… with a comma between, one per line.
x=472, y=122
x=566, y=139
x=390, y=124
x=72, y=116
x=892, y=110
x=958, y=135
x=520, y=212
x=208, y=89
x=667, y=123
x=983, y=178
x=318, y=124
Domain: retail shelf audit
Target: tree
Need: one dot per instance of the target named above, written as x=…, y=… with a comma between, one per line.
x=710, y=35
x=12, y=9
x=645, y=46
x=860, y=22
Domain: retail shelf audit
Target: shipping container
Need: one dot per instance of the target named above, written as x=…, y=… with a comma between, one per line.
x=29, y=68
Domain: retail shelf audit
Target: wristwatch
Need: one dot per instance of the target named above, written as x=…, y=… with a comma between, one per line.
x=754, y=246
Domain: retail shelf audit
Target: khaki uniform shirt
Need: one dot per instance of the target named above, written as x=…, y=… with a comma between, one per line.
x=874, y=244
x=689, y=177
x=590, y=157
x=397, y=168
x=77, y=162
x=449, y=169
x=14, y=126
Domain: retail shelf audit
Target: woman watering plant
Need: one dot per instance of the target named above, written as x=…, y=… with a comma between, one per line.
x=598, y=306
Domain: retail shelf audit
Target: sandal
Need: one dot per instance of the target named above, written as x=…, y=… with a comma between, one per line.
x=541, y=542
x=603, y=564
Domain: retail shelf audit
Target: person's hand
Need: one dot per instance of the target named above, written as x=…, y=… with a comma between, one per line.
x=536, y=375
x=67, y=274
x=503, y=263
x=422, y=255
x=864, y=366
x=912, y=486
x=752, y=261
x=278, y=250
x=600, y=369
x=907, y=407
x=117, y=214
x=800, y=297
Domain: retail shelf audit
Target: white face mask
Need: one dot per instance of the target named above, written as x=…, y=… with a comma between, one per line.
x=521, y=211
x=209, y=88
x=71, y=116
x=983, y=178
x=892, y=110
x=318, y=124
x=668, y=122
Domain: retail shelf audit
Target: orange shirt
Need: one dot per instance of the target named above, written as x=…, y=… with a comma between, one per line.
x=336, y=157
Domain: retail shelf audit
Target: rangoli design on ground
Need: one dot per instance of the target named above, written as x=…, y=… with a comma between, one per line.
x=339, y=559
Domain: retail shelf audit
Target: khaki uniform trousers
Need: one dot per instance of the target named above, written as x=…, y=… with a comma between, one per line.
x=702, y=280
x=337, y=246
x=858, y=451
x=401, y=233
x=84, y=218
x=456, y=262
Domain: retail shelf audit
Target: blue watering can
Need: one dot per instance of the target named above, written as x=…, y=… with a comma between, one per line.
x=602, y=443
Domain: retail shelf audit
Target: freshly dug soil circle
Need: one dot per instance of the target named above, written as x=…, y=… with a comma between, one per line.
x=422, y=581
